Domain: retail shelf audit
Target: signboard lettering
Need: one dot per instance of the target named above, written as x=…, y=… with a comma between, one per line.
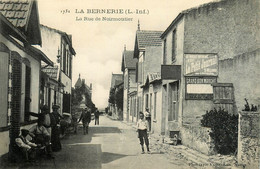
x=201, y=64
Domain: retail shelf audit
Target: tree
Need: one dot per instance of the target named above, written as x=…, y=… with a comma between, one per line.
x=119, y=98
x=112, y=96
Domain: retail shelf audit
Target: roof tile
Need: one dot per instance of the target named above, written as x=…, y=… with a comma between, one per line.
x=2, y=5
x=3, y=12
x=148, y=38
x=25, y=7
x=8, y=6
x=19, y=14
x=17, y=6
x=13, y=21
x=21, y=23
x=130, y=61
x=10, y=14
x=16, y=11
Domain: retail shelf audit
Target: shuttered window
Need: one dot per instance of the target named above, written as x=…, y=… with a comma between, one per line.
x=4, y=57
x=223, y=96
x=27, y=100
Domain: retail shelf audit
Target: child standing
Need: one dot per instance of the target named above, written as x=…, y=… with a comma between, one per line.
x=142, y=125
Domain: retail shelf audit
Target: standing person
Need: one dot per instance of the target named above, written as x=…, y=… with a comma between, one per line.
x=96, y=117
x=48, y=119
x=86, y=118
x=148, y=118
x=142, y=125
x=55, y=130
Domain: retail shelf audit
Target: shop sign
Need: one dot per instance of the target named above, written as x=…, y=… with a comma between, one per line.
x=199, y=88
x=201, y=64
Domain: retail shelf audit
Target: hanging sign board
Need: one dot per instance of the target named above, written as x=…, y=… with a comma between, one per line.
x=201, y=64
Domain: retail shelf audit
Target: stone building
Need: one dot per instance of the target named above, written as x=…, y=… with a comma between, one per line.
x=147, y=48
x=57, y=45
x=210, y=56
x=128, y=68
x=20, y=67
x=116, y=83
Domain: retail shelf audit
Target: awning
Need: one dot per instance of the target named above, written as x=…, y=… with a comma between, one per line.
x=171, y=72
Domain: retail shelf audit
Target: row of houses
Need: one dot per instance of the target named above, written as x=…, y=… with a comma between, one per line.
x=36, y=68
x=208, y=57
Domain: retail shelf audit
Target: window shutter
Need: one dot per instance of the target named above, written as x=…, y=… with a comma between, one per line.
x=3, y=88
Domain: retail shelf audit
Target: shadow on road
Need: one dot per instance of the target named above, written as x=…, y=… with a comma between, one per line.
x=109, y=157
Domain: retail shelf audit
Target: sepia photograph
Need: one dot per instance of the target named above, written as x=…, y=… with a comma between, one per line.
x=120, y=84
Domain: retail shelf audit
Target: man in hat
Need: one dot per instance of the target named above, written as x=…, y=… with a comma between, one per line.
x=55, y=130
x=86, y=118
x=25, y=145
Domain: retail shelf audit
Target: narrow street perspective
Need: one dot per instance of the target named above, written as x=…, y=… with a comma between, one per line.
x=129, y=84
x=112, y=144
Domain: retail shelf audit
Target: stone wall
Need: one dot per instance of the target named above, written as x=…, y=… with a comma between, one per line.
x=197, y=138
x=248, y=138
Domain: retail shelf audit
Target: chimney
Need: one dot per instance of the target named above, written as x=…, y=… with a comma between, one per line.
x=90, y=86
x=125, y=47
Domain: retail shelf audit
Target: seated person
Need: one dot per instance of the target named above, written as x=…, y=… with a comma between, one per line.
x=25, y=145
x=41, y=136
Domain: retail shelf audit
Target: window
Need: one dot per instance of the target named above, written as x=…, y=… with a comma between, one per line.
x=164, y=51
x=174, y=44
x=155, y=100
x=27, y=100
x=151, y=103
x=146, y=100
x=64, y=54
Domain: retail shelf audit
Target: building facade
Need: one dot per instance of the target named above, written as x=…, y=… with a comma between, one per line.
x=148, y=51
x=117, y=83
x=202, y=62
x=57, y=45
x=20, y=69
x=128, y=68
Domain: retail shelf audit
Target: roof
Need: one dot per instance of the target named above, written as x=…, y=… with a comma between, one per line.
x=78, y=82
x=52, y=72
x=116, y=79
x=128, y=60
x=187, y=11
x=151, y=78
x=23, y=14
x=146, y=38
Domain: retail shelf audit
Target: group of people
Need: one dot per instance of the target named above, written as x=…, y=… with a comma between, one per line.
x=86, y=119
x=45, y=134
x=143, y=127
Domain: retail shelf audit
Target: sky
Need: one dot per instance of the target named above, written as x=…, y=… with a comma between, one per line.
x=99, y=44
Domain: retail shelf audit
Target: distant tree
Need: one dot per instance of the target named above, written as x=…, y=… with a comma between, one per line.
x=119, y=98
x=112, y=96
